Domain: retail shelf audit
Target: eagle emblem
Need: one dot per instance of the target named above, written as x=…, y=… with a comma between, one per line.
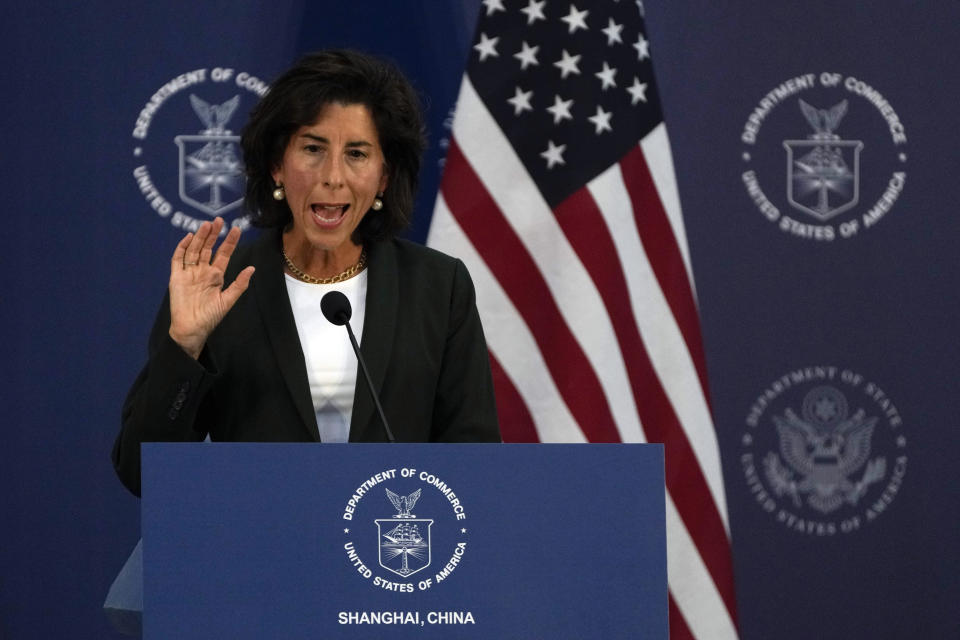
x=214, y=116
x=823, y=449
x=404, y=504
x=824, y=121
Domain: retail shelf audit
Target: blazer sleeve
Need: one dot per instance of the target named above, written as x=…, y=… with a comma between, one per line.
x=164, y=402
x=464, y=407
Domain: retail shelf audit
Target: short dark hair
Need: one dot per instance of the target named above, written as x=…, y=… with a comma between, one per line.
x=296, y=99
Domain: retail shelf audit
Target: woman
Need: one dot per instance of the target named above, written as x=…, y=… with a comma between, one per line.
x=332, y=155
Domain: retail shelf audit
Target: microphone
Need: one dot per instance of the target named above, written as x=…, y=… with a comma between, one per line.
x=336, y=309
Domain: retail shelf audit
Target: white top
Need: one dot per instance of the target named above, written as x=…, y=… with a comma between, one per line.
x=331, y=363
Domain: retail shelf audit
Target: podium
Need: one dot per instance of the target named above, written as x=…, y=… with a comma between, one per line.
x=403, y=541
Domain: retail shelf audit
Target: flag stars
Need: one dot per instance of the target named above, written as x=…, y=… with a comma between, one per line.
x=521, y=101
x=606, y=77
x=554, y=154
x=567, y=64
x=527, y=56
x=612, y=32
x=576, y=19
x=637, y=91
x=487, y=47
x=642, y=47
x=601, y=120
x=534, y=11
x=560, y=109
x=493, y=6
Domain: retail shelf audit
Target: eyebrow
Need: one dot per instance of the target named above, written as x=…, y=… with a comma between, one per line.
x=352, y=143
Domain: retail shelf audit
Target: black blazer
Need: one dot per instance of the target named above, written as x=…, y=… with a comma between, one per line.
x=422, y=342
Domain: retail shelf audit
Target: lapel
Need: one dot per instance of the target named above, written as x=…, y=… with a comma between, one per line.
x=376, y=344
x=270, y=291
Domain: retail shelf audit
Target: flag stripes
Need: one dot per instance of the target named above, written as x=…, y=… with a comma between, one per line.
x=661, y=336
x=503, y=326
x=660, y=245
x=516, y=271
x=510, y=407
x=696, y=595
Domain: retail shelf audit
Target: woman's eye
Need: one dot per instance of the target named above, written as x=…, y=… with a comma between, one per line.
x=356, y=154
x=312, y=148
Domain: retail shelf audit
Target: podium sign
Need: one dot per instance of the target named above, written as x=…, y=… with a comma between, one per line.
x=403, y=541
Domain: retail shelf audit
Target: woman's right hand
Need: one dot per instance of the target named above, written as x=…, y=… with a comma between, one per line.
x=198, y=301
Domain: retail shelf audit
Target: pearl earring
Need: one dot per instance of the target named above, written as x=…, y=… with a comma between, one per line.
x=278, y=193
x=377, y=203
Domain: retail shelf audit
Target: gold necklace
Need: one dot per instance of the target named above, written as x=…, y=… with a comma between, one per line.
x=346, y=274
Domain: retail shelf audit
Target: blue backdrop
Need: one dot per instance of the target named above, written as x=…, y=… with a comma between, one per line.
x=826, y=297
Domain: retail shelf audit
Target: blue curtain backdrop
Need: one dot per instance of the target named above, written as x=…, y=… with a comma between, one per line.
x=815, y=290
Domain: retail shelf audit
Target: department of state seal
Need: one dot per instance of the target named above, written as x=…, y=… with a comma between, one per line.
x=824, y=450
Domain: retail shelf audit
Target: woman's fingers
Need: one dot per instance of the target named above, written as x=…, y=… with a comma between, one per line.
x=232, y=293
x=229, y=243
x=192, y=256
x=176, y=262
x=206, y=250
x=197, y=248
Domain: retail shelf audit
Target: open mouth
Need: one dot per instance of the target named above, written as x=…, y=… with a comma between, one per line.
x=329, y=213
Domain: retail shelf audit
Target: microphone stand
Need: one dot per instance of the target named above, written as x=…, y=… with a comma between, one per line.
x=366, y=375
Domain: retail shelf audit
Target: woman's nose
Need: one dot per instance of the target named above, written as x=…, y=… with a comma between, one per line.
x=332, y=172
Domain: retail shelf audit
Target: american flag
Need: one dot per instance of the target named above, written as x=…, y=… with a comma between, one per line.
x=559, y=194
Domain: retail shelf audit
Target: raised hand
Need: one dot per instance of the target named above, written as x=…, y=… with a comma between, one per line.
x=198, y=301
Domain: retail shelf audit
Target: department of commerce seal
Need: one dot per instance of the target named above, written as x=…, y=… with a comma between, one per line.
x=825, y=156
x=824, y=451
x=187, y=160
x=396, y=548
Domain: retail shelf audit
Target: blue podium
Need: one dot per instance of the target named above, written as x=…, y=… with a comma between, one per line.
x=403, y=541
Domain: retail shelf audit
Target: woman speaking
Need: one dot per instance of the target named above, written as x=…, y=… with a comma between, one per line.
x=332, y=155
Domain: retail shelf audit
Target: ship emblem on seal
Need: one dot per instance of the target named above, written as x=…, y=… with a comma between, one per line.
x=824, y=449
x=404, y=539
x=823, y=171
x=211, y=172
